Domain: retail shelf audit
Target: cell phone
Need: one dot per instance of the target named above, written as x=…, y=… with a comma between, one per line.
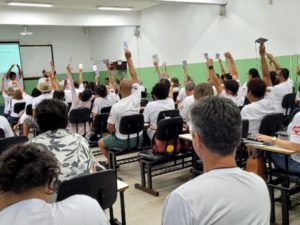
x=80, y=66
x=155, y=58
x=184, y=62
x=217, y=55
x=205, y=55
x=94, y=68
x=125, y=44
x=261, y=40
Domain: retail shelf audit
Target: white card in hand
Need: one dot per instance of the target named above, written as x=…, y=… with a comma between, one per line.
x=94, y=68
x=80, y=66
x=155, y=58
x=125, y=44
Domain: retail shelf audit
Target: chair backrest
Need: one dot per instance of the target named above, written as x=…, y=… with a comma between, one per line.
x=2, y=133
x=81, y=115
x=144, y=102
x=144, y=94
x=169, y=129
x=29, y=110
x=102, y=186
x=175, y=94
x=100, y=123
x=18, y=107
x=245, y=128
x=288, y=102
x=106, y=109
x=132, y=124
x=295, y=111
x=271, y=123
x=167, y=114
x=6, y=143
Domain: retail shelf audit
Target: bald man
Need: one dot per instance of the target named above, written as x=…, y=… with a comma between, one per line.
x=128, y=105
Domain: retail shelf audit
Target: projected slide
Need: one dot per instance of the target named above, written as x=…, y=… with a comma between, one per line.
x=9, y=54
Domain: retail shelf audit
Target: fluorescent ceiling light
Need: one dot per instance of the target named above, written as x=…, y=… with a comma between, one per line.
x=114, y=8
x=213, y=2
x=30, y=4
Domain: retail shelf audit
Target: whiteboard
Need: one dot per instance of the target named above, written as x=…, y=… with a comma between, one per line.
x=35, y=58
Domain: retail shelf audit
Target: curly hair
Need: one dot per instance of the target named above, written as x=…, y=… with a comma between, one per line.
x=52, y=114
x=28, y=166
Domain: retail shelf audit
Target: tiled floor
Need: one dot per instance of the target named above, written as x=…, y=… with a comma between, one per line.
x=145, y=209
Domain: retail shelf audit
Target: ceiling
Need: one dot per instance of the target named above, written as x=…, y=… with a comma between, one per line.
x=138, y=5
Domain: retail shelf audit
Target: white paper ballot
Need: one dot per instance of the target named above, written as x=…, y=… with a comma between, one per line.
x=94, y=68
x=125, y=44
x=155, y=58
x=80, y=66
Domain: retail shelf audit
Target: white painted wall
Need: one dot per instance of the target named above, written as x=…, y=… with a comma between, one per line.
x=67, y=42
x=181, y=31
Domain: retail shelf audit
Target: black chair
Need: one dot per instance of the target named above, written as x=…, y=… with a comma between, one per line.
x=80, y=116
x=18, y=107
x=144, y=102
x=241, y=153
x=106, y=109
x=154, y=164
x=175, y=94
x=29, y=110
x=144, y=94
x=271, y=123
x=166, y=114
x=6, y=143
x=2, y=133
x=101, y=186
x=98, y=129
x=288, y=102
x=129, y=125
x=295, y=111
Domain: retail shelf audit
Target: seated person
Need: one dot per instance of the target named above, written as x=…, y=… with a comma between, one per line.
x=128, y=105
x=231, y=88
x=259, y=105
x=71, y=150
x=284, y=84
x=28, y=178
x=293, y=143
x=79, y=100
x=252, y=74
x=7, y=96
x=161, y=102
x=16, y=98
x=201, y=90
x=102, y=100
x=5, y=126
x=224, y=193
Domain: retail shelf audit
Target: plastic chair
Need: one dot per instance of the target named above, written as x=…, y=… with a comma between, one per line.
x=6, y=143
x=106, y=109
x=80, y=116
x=102, y=186
x=166, y=114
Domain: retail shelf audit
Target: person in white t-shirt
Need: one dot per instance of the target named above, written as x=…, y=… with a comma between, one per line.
x=284, y=84
x=5, y=126
x=45, y=77
x=102, y=100
x=161, y=102
x=28, y=180
x=293, y=143
x=185, y=104
x=16, y=98
x=7, y=96
x=46, y=90
x=11, y=77
x=231, y=88
x=259, y=105
x=128, y=105
x=201, y=90
x=224, y=193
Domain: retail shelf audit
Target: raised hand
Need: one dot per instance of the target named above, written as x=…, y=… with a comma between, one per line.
x=127, y=54
x=262, y=49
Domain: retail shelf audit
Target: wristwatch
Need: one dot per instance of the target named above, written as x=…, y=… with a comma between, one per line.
x=274, y=139
x=211, y=67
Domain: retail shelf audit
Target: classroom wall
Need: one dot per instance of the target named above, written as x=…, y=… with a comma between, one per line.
x=67, y=42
